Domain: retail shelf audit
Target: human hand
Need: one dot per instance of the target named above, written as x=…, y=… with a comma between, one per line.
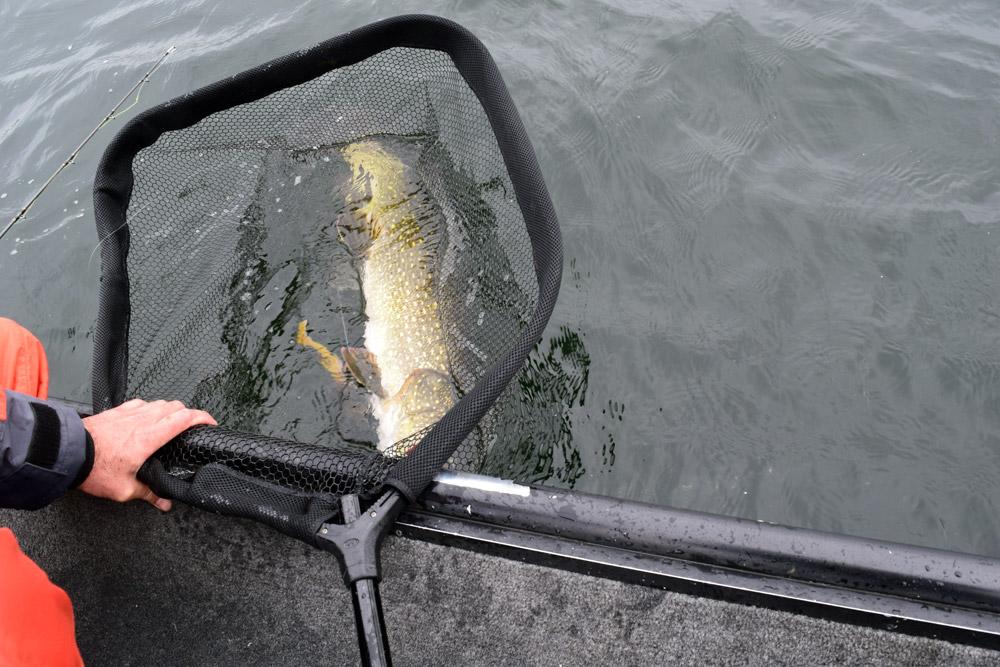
x=125, y=436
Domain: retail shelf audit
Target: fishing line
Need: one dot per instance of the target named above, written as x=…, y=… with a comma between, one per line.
x=340, y=307
x=114, y=113
x=133, y=214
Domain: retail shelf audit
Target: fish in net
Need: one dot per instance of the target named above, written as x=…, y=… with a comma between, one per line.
x=345, y=255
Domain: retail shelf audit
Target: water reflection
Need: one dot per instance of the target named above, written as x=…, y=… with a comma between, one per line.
x=533, y=439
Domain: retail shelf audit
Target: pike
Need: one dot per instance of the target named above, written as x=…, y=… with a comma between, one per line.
x=404, y=362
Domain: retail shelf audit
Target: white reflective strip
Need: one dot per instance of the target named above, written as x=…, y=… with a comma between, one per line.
x=482, y=482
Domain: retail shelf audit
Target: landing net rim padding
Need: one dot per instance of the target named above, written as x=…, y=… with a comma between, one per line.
x=115, y=180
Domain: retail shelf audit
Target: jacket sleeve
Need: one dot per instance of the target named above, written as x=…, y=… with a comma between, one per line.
x=44, y=451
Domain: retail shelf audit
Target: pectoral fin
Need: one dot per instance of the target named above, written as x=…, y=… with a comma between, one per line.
x=364, y=368
x=327, y=359
x=425, y=397
x=354, y=234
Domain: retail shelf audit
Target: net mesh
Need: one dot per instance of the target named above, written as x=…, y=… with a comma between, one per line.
x=341, y=261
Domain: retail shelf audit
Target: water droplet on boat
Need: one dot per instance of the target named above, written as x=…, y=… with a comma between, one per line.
x=298, y=179
x=3, y=196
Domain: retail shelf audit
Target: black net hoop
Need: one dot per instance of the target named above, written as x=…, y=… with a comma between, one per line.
x=209, y=204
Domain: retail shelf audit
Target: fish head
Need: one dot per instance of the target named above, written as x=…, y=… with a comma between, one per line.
x=377, y=184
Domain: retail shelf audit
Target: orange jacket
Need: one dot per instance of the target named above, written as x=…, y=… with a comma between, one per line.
x=44, y=448
x=23, y=366
x=36, y=617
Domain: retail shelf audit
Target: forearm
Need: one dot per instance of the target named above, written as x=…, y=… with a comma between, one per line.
x=44, y=451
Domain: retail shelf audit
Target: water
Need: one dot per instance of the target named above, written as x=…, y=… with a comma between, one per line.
x=782, y=230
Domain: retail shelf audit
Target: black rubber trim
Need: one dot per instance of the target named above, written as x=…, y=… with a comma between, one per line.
x=43, y=450
x=402, y=488
x=891, y=586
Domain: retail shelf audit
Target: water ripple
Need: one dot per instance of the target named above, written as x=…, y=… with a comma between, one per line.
x=781, y=224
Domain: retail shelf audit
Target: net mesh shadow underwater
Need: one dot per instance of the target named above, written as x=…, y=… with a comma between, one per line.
x=353, y=239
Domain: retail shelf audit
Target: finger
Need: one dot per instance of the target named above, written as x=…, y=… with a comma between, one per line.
x=175, y=423
x=131, y=405
x=150, y=407
x=158, y=409
x=159, y=503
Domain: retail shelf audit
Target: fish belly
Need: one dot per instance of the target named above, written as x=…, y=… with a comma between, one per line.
x=404, y=334
x=403, y=329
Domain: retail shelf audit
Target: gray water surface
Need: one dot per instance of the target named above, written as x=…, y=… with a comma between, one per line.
x=781, y=226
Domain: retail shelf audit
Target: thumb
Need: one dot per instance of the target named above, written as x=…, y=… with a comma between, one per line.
x=146, y=493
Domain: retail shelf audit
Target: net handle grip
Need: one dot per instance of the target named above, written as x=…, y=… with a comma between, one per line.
x=216, y=488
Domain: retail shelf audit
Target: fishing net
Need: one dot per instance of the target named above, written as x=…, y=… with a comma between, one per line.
x=344, y=255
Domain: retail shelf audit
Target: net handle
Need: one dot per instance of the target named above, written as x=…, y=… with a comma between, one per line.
x=217, y=488
x=305, y=467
